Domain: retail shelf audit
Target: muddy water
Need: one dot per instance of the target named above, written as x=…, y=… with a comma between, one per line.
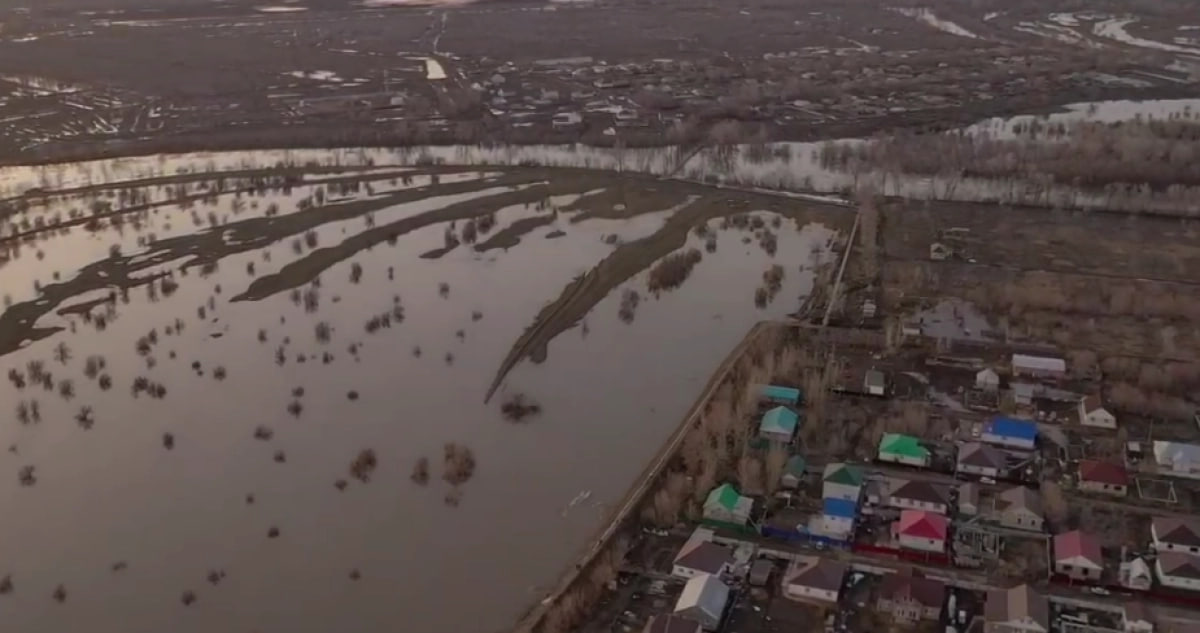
x=128, y=526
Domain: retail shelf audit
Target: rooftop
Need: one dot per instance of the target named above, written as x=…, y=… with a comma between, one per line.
x=840, y=508
x=1077, y=544
x=903, y=445
x=1179, y=564
x=780, y=420
x=704, y=556
x=842, y=473
x=982, y=455
x=1039, y=363
x=920, y=490
x=1103, y=472
x=819, y=573
x=1011, y=427
x=1019, y=498
x=921, y=524
x=1018, y=603
x=904, y=585
x=1177, y=530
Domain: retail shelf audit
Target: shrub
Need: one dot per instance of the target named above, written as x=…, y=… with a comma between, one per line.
x=673, y=270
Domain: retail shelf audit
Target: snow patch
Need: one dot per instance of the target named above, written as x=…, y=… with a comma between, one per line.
x=279, y=9
x=1064, y=19
x=929, y=17
x=1114, y=29
x=434, y=70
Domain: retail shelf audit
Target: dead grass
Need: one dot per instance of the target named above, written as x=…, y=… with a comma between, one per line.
x=458, y=463
x=670, y=272
x=364, y=465
x=518, y=407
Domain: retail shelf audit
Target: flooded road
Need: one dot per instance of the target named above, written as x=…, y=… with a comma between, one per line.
x=291, y=323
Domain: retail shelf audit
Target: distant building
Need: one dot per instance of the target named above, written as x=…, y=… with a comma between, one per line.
x=910, y=598
x=725, y=505
x=793, y=472
x=903, y=449
x=1093, y=413
x=781, y=395
x=1038, y=366
x=987, y=380
x=1097, y=476
x=1020, y=508
x=818, y=580
x=778, y=425
x=1178, y=570
x=1177, y=459
x=922, y=531
x=1077, y=554
x=698, y=557
x=1174, y=534
x=1016, y=610
x=979, y=459
x=703, y=600
x=1010, y=432
x=842, y=481
x=671, y=624
x=918, y=494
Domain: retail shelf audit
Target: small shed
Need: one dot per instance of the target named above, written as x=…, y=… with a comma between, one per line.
x=778, y=425
x=987, y=380
x=793, y=472
x=780, y=395
x=874, y=383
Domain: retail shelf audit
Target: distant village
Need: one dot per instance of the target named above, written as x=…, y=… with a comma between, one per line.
x=1037, y=515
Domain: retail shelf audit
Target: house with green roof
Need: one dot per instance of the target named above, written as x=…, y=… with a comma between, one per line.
x=778, y=425
x=843, y=481
x=903, y=449
x=793, y=472
x=725, y=505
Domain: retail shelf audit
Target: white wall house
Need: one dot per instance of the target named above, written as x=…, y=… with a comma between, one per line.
x=703, y=600
x=1092, y=413
x=1178, y=571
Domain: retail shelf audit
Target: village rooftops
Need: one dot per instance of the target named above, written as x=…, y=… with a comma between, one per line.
x=820, y=573
x=1018, y=603
x=1103, y=472
x=920, y=490
x=920, y=524
x=903, y=585
x=1080, y=546
x=982, y=455
x=1177, y=531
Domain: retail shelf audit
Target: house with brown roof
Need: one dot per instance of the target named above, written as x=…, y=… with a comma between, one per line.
x=1092, y=413
x=1077, y=554
x=698, y=557
x=1174, y=534
x=1178, y=570
x=1019, y=508
x=818, y=580
x=1016, y=610
x=910, y=598
x=671, y=624
x=982, y=460
x=918, y=494
x=1103, y=477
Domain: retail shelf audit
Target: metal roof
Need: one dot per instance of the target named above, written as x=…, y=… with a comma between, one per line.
x=1012, y=427
x=840, y=508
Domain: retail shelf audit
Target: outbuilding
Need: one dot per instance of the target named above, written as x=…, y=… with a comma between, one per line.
x=789, y=396
x=1038, y=366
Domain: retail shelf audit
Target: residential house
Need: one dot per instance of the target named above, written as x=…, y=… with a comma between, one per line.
x=1020, y=508
x=910, y=598
x=1010, y=432
x=817, y=580
x=837, y=518
x=1038, y=366
x=1173, y=534
x=1077, y=554
x=968, y=499
x=1097, y=476
x=725, y=505
x=1016, y=610
x=918, y=494
x=703, y=600
x=903, y=449
x=1093, y=413
x=1135, y=574
x=1178, y=570
x=778, y=425
x=922, y=531
x=874, y=383
x=987, y=380
x=699, y=557
x=979, y=459
x=793, y=472
x=671, y=624
x=1177, y=459
x=781, y=395
x=842, y=481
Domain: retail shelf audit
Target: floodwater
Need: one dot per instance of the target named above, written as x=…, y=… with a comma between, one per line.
x=127, y=526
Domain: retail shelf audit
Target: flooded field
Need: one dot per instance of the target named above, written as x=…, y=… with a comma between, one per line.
x=222, y=380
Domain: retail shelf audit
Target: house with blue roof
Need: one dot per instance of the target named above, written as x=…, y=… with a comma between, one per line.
x=778, y=425
x=837, y=518
x=780, y=395
x=1010, y=432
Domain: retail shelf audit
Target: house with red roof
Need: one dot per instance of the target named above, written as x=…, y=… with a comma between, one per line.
x=1077, y=554
x=1103, y=477
x=921, y=530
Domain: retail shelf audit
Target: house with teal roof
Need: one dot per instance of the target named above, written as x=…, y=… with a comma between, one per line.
x=842, y=481
x=778, y=425
x=726, y=505
x=903, y=449
x=780, y=395
x=793, y=472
